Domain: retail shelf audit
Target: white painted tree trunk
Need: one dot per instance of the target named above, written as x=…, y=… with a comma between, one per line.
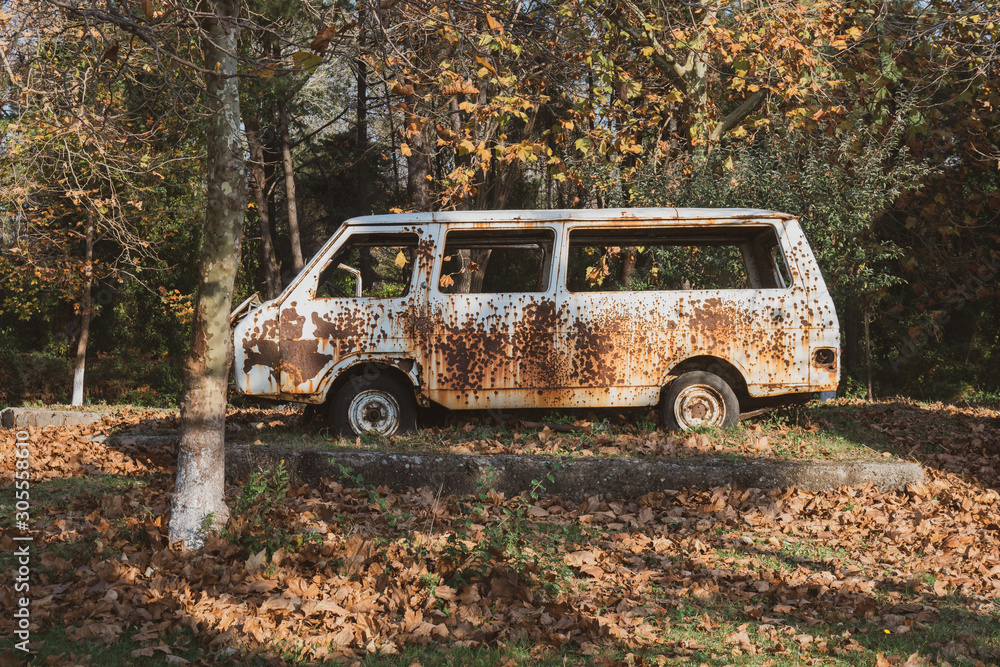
x=88, y=302
x=199, y=503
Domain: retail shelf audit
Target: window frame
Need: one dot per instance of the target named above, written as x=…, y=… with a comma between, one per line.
x=345, y=242
x=549, y=258
x=743, y=245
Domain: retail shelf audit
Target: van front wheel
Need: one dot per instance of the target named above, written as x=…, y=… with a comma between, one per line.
x=379, y=405
x=699, y=399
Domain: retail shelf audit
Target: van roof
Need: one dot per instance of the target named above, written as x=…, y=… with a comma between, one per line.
x=728, y=215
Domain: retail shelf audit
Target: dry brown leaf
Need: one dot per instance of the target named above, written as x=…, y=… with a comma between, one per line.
x=256, y=561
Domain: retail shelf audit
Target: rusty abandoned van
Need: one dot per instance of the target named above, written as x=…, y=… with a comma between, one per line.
x=706, y=313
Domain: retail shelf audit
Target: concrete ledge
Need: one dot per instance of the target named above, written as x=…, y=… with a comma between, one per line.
x=572, y=478
x=25, y=417
x=144, y=441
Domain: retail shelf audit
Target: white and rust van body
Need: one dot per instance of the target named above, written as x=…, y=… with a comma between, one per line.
x=536, y=309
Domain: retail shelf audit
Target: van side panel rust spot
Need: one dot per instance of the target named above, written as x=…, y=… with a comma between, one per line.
x=302, y=360
x=261, y=352
x=256, y=353
x=490, y=342
x=291, y=324
x=534, y=338
x=344, y=324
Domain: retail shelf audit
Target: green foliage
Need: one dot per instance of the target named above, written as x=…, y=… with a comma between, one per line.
x=34, y=376
x=837, y=185
x=478, y=546
x=257, y=522
x=614, y=111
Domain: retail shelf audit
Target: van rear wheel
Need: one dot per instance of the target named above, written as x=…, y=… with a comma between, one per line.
x=380, y=405
x=699, y=399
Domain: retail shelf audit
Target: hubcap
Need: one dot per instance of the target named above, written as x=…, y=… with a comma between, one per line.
x=699, y=405
x=374, y=411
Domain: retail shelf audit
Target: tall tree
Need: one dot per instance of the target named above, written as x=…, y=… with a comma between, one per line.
x=199, y=500
x=81, y=157
x=167, y=34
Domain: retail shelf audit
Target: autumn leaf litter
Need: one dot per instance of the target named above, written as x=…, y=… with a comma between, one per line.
x=773, y=572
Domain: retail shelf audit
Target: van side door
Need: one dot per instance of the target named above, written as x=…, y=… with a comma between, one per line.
x=489, y=339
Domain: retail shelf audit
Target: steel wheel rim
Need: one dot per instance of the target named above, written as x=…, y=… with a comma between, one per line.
x=374, y=411
x=699, y=405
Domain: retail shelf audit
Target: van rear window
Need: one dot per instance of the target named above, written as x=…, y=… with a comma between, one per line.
x=676, y=258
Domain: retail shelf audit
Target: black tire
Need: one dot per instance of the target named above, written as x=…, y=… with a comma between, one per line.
x=699, y=399
x=381, y=405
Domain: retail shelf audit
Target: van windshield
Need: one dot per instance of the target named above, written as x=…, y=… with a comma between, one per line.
x=675, y=258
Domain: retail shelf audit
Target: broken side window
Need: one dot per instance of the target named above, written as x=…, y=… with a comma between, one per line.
x=381, y=265
x=496, y=261
x=675, y=258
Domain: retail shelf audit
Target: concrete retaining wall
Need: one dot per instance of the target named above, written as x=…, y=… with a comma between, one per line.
x=25, y=417
x=572, y=478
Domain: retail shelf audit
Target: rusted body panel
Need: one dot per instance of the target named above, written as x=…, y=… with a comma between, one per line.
x=550, y=346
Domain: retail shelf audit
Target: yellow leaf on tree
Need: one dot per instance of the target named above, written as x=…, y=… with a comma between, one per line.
x=405, y=150
x=493, y=23
x=482, y=61
x=401, y=259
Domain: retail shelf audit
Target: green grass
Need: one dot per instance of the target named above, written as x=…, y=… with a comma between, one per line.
x=58, y=492
x=54, y=647
x=813, y=432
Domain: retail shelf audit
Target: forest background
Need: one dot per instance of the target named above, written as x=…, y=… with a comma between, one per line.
x=878, y=123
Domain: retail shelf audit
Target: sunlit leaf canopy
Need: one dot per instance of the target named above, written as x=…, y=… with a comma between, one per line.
x=875, y=123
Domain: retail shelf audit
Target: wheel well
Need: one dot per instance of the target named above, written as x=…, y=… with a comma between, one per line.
x=721, y=367
x=370, y=370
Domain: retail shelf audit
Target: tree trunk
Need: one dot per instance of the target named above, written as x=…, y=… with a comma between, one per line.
x=868, y=348
x=418, y=162
x=258, y=183
x=628, y=266
x=88, y=302
x=471, y=281
x=361, y=160
x=286, y=160
x=362, y=129
x=198, y=502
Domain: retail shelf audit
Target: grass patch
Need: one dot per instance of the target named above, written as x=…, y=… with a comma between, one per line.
x=813, y=432
x=60, y=491
x=55, y=647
